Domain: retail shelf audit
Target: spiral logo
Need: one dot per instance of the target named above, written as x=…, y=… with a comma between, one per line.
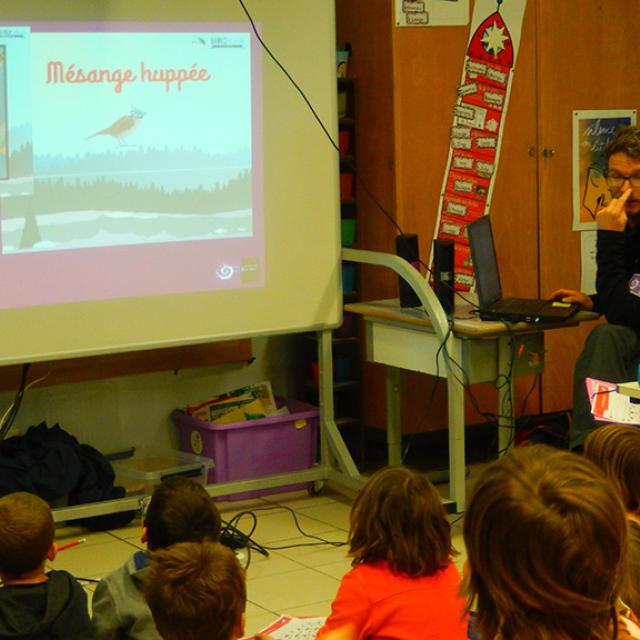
x=224, y=271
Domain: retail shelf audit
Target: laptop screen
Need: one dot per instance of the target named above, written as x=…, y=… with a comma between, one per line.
x=485, y=264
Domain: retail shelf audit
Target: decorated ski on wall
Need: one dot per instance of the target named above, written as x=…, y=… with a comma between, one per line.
x=478, y=120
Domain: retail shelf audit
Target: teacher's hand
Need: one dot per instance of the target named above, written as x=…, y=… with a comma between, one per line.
x=613, y=217
x=571, y=295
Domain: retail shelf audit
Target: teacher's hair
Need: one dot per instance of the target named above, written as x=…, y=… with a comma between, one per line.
x=626, y=140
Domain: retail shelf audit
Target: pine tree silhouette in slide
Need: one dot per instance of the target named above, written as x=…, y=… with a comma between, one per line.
x=30, y=231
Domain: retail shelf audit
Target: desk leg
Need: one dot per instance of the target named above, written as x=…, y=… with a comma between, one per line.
x=506, y=393
x=455, y=404
x=394, y=416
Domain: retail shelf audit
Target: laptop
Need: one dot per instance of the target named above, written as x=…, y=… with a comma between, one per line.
x=492, y=305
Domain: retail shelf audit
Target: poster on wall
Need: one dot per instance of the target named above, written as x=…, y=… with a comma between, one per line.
x=592, y=130
x=479, y=115
x=431, y=13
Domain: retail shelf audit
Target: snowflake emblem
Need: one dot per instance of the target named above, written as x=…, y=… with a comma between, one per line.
x=494, y=39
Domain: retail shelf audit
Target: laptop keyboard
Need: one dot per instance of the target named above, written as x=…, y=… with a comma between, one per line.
x=518, y=305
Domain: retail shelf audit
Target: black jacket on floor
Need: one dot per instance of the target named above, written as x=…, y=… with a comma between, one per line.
x=52, y=464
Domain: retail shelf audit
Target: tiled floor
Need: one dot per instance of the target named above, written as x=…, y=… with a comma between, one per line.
x=294, y=579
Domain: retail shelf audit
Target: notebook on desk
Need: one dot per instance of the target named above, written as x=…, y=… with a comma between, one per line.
x=492, y=305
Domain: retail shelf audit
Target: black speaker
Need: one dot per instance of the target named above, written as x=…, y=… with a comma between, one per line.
x=443, y=285
x=407, y=248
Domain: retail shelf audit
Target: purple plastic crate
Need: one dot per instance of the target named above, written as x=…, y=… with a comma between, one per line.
x=254, y=448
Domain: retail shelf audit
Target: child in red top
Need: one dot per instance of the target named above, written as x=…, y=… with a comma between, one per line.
x=403, y=584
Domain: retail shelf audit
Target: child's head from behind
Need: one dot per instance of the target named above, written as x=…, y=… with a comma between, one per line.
x=180, y=510
x=615, y=449
x=26, y=533
x=546, y=537
x=196, y=590
x=398, y=517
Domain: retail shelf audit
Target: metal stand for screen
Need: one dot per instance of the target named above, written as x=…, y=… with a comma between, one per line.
x=335, y=463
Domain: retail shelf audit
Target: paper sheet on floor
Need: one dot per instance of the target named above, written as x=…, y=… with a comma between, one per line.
x=609, y=405
x=290, y=628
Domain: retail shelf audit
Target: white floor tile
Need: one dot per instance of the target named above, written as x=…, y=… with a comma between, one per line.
x=94, y=560
x=88, y=586
x=229, y=509
x=257, y=619
x=89, y=597
x=334, y=513
x=315, y=609
x=69, y=534
x=299, y=549
x=133, y=531
x=277, y=523
x=475, y=471
x=275, y=564
x=461, y=558
x=301, y=587
x=68, y=530
x=302, y=499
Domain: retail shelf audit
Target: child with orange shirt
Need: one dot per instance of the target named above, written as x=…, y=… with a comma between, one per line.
x=403, y=584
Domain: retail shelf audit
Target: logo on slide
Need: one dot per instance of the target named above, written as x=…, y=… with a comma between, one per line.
x=225, y=271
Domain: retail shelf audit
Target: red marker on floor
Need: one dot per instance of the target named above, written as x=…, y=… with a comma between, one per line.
x=73, y=543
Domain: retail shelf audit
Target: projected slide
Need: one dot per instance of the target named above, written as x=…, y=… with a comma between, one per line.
x=130, y=161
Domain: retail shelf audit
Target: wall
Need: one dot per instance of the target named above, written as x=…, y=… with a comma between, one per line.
x=118, y=413
x=568, y=60
x=581, y=66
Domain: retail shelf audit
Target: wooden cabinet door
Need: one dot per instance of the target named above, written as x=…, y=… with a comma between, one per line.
x=587, y=59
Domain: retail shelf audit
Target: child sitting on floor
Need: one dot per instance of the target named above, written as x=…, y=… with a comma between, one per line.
x=196, y=591
x=403, y=583
x=615, y=449
x=180, y=511
x=34, y=604
x=546, y=540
